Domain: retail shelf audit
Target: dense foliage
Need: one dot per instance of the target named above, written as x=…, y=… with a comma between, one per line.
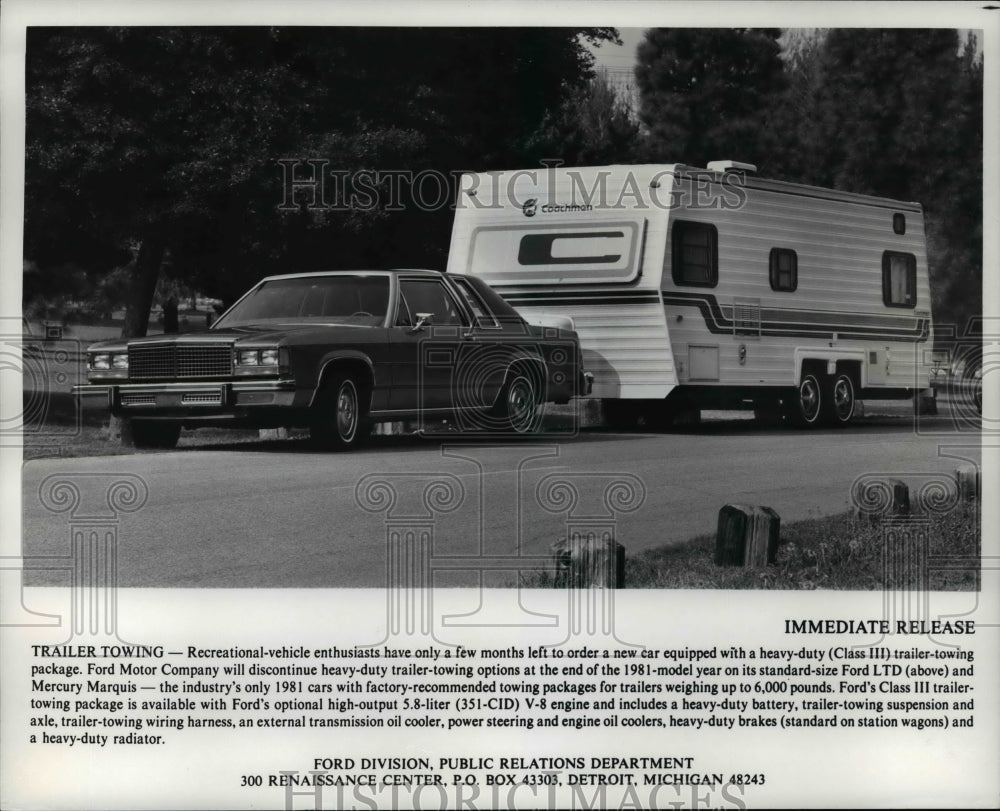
x=151, y=153
x=837, y=552
x=709, y=93
x=891, y=112
x=158, y=147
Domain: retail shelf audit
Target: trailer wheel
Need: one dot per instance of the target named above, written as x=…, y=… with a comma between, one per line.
x=839, y=400
x=806, y=409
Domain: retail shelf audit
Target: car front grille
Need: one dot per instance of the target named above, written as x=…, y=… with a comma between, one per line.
x=173, y=361
x=138, y=399
x=210, y=398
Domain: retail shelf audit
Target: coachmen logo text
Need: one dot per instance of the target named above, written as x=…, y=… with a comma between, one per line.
x=531, y=206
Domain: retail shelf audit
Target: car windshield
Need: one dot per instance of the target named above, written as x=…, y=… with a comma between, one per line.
x=345, y=298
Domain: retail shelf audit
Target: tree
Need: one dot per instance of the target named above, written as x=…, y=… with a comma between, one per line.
x=132, y=131
x=898, y=113
x=596, y=125
x=461, y=100
x=793, y=112
x=167, y=138
x=957, y=210
x=890, y=112
x=706, y=94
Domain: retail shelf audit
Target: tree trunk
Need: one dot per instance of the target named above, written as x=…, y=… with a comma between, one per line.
x=170, y=322
x=140, y=300
x=141, y=288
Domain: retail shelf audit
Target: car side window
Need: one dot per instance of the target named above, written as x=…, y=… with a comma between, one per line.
x=402, y=313
x=484, y=318
x=429, y=296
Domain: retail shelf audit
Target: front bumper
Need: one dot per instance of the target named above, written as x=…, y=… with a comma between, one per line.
x=186, y=400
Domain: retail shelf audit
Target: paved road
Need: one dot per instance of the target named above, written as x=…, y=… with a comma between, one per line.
x=280, y=514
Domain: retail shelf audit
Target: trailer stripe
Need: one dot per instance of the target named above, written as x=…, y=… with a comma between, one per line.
x=786, y=322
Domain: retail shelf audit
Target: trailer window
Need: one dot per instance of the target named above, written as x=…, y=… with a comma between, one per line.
x=899, y=279
x=602, y=252
x=784, y=270
x=695, y=250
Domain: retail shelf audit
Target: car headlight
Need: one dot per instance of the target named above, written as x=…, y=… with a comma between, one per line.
x=100, y=360
x=119, y=360
x=270, y=358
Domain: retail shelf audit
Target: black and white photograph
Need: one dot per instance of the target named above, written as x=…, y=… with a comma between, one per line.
x=513, y=406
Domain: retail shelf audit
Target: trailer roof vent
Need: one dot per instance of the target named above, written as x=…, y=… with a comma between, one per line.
x=730, y=166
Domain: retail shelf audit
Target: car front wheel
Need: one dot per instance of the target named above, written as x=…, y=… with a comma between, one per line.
x=339, y=422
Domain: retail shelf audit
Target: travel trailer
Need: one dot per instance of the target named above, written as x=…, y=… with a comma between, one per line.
x=709, y=288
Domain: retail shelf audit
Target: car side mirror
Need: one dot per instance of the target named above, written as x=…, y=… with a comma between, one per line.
x=423, y=320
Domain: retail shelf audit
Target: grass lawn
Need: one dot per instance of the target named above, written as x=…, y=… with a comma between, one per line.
x=92, y=440
x=838, y=552
x=835, y=552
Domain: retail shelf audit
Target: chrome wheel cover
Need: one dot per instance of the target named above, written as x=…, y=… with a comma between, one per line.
x=809, y=399
x=347, y=411
x=520, y=404
x=843, y=399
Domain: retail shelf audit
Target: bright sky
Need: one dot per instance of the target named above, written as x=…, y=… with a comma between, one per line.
x=622, y=57
x=615, y=57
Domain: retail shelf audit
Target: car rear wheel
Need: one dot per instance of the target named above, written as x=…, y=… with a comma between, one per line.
x=154, y=433
x=517, y=406
x=340, y=421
